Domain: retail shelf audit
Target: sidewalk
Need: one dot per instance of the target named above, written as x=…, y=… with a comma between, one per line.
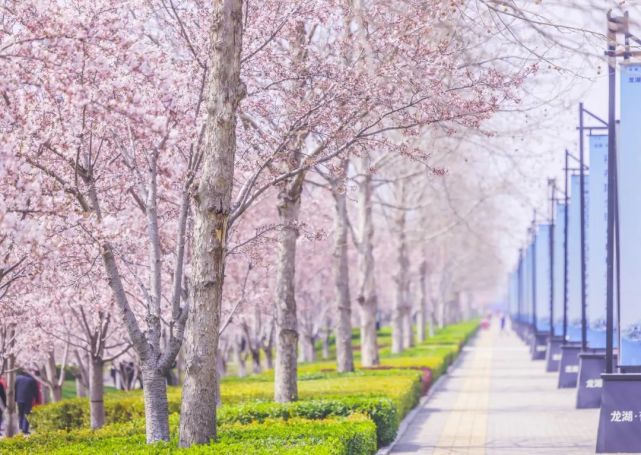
x=495, y=400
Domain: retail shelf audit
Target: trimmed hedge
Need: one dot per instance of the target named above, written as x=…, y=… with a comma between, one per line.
x=339, y=413
x=401, y=388
x=74, y=413
x=381, y=411
x=353, y=435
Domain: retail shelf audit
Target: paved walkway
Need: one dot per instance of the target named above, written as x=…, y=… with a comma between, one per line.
x=497, y=401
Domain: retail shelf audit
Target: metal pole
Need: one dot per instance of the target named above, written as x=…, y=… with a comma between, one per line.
x=584, y=331
x=534, y=277
x=617, y=244
x=519, y=280
x=551, y=235
x=565, y=251
x=612, y=159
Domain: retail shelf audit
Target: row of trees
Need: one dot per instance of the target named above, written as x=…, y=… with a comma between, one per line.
x=161, y=159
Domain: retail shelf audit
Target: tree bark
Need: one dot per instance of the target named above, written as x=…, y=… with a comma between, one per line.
x=240, y=359
x=408, y=327
x=96, y=393
x=421, y=316
x=402, y=316
x=398, y=312
x=11, y=425
x=289, y=198
x=444, y=296
x=344, y=353
x=269, y=357
x=156, y=408
x=367, y=298
x=307, y=348
x=397, y=330
x=285, y=378
x=325, y=351
x=256, y=366
x=81, y=389
x=431, y=314
x=212, y=208
x=51, y=376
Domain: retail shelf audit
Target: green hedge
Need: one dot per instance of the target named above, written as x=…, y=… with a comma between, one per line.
x=380, y=398
x=401, y=388
x=353, y=435
x=74, y=413
x=382, y=411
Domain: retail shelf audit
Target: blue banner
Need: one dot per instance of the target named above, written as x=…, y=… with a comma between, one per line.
x=597, y=242
x=559, y=271
x=542, y=257
x=629, y=192
x=514, y=294
x=527, y=286
x=521, y=285
x=574, y=259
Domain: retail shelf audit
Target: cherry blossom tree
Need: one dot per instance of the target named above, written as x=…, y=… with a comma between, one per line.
x=156, y=129
x=108, y=142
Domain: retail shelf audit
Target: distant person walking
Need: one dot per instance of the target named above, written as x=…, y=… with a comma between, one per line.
x=27, y=395
x=502, y=322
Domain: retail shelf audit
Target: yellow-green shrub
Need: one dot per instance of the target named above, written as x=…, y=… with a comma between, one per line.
x=351, y=435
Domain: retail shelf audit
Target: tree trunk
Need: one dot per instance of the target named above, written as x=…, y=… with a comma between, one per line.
x=456, y=309
x=240, y=359
x=55, y=393
x=366, y=284
x=421, y=316
x=256, y=366
x=51, y=375
x=285, y=378
x=269, y=357
x=401, y=333
x=408, y=327
x=47, y=393
x=307, y=348
x=81, y=389
x=397, y=330
x=11, y=425
x=443, y=301
x=326, y=334
x=212, y=208
x=344, y=353
x=156, y=408
x=96, y=393
x=430, y=318
x=440, y=319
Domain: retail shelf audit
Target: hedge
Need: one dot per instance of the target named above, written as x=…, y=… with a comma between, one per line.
x=353, y=435
x=381, y=411
x=402, y=388
x=338, y=412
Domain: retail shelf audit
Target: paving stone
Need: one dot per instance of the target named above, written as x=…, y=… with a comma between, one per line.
x=496, y=401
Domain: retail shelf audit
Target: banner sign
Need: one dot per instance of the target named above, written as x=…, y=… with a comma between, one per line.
x=542, y=278
x=527, y=279
x=629, y=192
x=515, y=294
x=512, y=295
x=596, y=245
x=558, y=264
x=619, y=418
x=522, y=291
x=574, y=259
